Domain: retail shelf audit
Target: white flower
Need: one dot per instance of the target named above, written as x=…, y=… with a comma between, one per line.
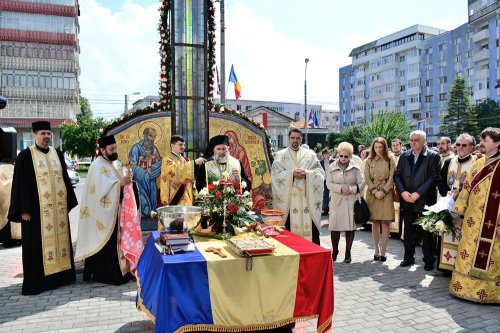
x=216, y=183
x=243, y=184
x=440, y=226
x=246, y=193
x=224, y=175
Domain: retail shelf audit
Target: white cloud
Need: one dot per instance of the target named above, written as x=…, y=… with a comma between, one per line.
x=119, y=54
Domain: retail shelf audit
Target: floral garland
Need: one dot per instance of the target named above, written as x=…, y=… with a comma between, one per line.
x=211, y=53
x=224, y=109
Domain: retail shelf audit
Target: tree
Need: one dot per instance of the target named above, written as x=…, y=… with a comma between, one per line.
x=349, y=134
x=488, y=113
x=461, y=117
x=389, y=125
x=79, y=138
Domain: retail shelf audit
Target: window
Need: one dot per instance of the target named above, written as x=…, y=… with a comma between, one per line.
x=280, y=140
x=402, y=73
x=443, y=96
x=402, y=88
x=428, y=98
x=415, y=98
x=443, y=79
x=415, y=116
x=402, y=102
x=401, y=58
x=238, y=107
x=248, y=107
x=458, y=58
x=428, y=82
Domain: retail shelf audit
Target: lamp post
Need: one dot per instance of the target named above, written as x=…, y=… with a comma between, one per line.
x=126, y=100
x=305, y=100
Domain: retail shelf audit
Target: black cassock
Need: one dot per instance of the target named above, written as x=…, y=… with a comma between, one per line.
x=201, y=180
x=24, y=199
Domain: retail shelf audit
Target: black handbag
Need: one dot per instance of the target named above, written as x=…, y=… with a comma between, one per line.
x=361, y=211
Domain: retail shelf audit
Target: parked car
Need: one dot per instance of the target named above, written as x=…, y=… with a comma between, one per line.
x=73, y=175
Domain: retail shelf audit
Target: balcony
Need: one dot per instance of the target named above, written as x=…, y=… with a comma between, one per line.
x=482, y=55
x=481, y=35
x=481, y=74
x=481, y=94
x=37, y=64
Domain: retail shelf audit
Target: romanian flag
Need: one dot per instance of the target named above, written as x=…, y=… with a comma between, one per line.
x=237, y=85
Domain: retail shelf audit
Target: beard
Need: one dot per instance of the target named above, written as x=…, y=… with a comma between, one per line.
x=220, y=159
x=112, y=157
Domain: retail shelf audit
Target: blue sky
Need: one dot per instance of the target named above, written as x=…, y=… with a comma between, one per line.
x=266, y=41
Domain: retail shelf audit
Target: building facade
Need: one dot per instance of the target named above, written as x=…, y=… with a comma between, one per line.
x=39, y=67
x=292, y=110
x=413, y=70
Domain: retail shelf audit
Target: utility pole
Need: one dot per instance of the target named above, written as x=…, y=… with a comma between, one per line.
x=305, y=101
x=222, y=55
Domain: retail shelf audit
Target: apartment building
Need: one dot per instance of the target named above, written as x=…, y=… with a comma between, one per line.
x=39, y=65
x=413, y=70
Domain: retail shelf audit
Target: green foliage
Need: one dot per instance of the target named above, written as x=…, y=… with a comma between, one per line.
x=389, y=125
x=80, y=138
x=260, y=167
x=488, y=113
x=318, y=148
x=349, y=134
x=461, y=117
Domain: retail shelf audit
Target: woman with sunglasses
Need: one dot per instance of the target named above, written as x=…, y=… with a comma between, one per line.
x=379, y=178
x=345, y=181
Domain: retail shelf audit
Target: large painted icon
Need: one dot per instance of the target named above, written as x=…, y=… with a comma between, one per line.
x=145, y=161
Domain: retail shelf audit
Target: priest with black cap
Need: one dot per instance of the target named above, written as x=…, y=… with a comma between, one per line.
x=98, y=227
x=41, y=198
x=220, y=164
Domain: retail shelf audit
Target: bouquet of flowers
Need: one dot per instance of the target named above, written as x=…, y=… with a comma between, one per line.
x=227, y=198
x=438, y=219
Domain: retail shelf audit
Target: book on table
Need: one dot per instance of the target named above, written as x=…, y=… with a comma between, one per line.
x=175, y=238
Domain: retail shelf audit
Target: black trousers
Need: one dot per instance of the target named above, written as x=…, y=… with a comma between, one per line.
x=411, y=237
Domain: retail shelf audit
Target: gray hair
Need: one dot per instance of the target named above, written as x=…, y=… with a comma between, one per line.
x=468, y=137
x=419, y=133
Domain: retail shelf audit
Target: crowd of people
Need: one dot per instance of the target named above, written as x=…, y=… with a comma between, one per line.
x=396, y=183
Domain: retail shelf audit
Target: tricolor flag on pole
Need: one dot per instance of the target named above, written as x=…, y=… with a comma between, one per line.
x=218, y=81
x=237, y=85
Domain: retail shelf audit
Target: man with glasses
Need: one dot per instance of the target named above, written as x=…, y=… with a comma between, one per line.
x=416, y=177
x=453, y=174
x=477, y=265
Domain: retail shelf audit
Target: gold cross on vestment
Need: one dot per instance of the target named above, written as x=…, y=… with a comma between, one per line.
x=495, y=195
x=483, y=254
x=84, y=213
x=489, y=224
x=105, y=202
x=105, y=171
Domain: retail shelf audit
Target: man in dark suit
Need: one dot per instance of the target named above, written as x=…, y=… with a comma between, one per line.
x=416, y=178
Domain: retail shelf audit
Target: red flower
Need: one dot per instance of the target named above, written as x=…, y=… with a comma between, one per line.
x=218, y=194
x=238, y=191
x=236, y=184
x=211, y=187
x=232, y=208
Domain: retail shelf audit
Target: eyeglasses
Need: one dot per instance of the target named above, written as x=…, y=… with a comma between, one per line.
x=344, y=156
x=462, y=145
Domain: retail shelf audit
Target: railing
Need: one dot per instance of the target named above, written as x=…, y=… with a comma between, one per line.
x=480, y=13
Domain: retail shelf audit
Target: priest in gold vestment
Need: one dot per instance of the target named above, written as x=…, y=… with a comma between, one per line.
x=178, y=175
x=41, y=199
x=297, y=181
x=476, y=276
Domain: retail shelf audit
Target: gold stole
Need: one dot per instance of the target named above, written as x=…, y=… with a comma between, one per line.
x=214, y=168
x=487, y=232
x=177, y=174
x=458, y=171
x=54, y=221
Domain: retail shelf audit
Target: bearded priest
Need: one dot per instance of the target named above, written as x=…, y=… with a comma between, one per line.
x=99, y=230
x=41, y=198
x=297, y=181
x=219, y=164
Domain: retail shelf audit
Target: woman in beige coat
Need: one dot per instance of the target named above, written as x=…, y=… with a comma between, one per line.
x=344, y=180
x=379, y=179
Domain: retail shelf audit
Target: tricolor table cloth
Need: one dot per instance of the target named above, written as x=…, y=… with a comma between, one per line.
x=200, y=291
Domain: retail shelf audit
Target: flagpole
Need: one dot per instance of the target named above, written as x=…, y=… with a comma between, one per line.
x=222, y=53
x=305, y=101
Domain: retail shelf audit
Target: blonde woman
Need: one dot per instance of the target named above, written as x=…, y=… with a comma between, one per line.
x=379, y=178
x=344, y=179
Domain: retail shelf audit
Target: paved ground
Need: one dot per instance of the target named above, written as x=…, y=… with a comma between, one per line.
x=369, y=297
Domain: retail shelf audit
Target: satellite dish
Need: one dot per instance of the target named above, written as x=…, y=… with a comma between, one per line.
x=3, y=102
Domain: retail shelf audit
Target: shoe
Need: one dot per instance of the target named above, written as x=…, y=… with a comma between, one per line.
x=334, y=255
x=347, y=260
x=383, y=258
x=429, y=266
x=376, y=257
x=406, y=263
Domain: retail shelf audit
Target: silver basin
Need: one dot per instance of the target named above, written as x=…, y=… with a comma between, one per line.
x=190, y=215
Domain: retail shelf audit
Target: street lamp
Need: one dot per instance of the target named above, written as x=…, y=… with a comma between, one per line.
x=305, y=99
x=126, y=99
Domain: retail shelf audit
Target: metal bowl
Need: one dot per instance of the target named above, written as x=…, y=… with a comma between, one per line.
x=190, y=215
